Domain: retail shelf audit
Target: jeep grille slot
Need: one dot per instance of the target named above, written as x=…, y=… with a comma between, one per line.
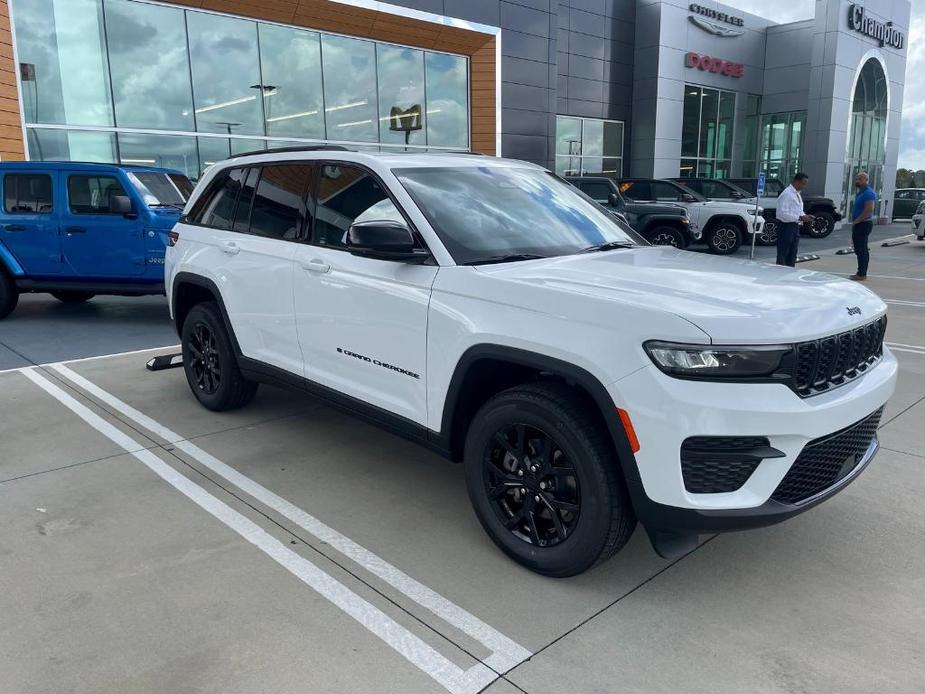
x=721, y=464
x=835, y=360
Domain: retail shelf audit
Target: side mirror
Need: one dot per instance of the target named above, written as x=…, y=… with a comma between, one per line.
x=120, y=204
x=383, y=240
x=687, y=197
x=615, y=200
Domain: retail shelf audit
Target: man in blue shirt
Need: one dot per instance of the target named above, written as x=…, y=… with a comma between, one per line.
x=862, y=223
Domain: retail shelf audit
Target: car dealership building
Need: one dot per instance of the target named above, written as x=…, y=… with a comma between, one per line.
x=635, y=87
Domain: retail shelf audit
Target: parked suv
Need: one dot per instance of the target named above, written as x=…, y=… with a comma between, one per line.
x=488, y=310
x=725, y=226
x=907, y=202
x=823, y=209
x=661, y=224
x=77, y=230
x=918, y=222
x=724, y=191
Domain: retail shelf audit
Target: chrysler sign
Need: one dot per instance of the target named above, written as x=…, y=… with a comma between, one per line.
x=883, y=32
x=715, y=65
x=716, y=14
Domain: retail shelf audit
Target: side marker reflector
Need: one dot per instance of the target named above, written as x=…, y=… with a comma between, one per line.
x=628, y=428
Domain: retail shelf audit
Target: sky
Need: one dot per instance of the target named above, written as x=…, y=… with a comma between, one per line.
x=912, y=144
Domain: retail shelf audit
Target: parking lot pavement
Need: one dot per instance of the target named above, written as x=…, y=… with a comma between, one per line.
x=148, y=545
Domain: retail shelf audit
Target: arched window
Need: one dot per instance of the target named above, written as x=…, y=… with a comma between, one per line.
x=867, y=133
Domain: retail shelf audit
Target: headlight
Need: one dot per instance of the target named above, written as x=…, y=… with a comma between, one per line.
x=760, y=211
x=715, y=362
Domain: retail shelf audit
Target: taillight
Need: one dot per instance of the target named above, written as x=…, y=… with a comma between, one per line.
x=172, y=238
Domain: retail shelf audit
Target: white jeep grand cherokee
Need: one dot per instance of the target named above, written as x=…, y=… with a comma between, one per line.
x=492, y=312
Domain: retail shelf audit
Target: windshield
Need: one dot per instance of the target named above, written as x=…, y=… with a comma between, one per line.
x=162, y=189
x=489, y=212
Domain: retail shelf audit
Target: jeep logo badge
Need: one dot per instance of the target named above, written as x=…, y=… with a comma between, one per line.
x=854, y=310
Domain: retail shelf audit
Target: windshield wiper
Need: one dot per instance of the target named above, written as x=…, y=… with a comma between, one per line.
x=510, y=258
x=174, y=205
x=610, y=246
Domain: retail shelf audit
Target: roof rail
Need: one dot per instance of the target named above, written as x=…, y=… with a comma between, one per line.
x=306, y=148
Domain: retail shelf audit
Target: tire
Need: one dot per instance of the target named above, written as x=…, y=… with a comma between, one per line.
x=593, y=518
x=9, y=294
x=210, y=363
x=725, y=238
x=665, y=236
x=73, y=297
x=768, y=235
x=823, y=225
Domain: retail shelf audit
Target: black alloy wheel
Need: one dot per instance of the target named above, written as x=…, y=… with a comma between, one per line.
x=544, y=479
x=665, y=236
x=822, y=225
x=210, y=363
x=205, y=363
x=532, y=485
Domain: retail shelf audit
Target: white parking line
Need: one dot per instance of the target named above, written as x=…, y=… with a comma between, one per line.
x=415, y=650
x=901, y=302
x=911, y=349
x=99, y=356
x=505, y=652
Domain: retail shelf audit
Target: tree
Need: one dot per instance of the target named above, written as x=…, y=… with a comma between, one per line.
x=904, y=178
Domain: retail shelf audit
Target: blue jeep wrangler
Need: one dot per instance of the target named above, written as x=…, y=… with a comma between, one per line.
x=76, y=230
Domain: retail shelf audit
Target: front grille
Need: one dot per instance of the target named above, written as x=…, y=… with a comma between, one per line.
x=718, y=464
x=833, y=361
x=825, y=461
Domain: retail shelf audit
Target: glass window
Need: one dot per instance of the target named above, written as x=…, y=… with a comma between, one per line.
x=709, y=111
x=279, y=204
x=690, y=129
x=568, y=135
x=226, y=74
x=664, y=191
x=242, y=213
x=592, y=137
x=350, y=89
x=401, y=95
x=568, y=166
x=216, y=207
x=291, y=60
x=92, y=194
x=149, y=64
x=595, y=147
x=481, y=213
x=447, y=113
x=596, y=190
x=63, y=68
x=636, y=190
x=167, y=151
x=161, y=190
x=71, y=145
x=727, y=112
x=344, y=193
x=27, y=194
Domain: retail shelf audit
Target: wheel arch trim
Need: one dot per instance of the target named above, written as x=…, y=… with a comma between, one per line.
x=204, y=283
x=9, y=264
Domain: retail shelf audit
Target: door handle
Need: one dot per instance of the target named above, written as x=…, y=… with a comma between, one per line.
x=75, y=230
x=15, y=227
x=230, y=247
x=316, y=265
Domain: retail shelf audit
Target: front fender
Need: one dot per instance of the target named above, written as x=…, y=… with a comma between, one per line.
x=8, y=261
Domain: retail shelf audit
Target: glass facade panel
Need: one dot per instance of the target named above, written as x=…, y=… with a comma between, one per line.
x=707, y=132
x=291, y=61
x=447, y=81
x=71, y=145
x=867, y=146
x=167, y=151
x=401, y=95
x=137, y=66
x=63, y=70
x=149, y=64
x=350, y=99
x=589, y=147
x=227, y=90
x=781, y=146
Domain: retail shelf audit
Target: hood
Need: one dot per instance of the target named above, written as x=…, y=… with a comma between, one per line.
x=163, y=218
x=733, y=301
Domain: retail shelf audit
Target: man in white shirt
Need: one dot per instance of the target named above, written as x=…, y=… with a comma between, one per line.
x=790, y=216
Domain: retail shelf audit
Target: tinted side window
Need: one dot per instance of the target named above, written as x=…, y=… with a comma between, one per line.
x=345, y=194
x=660, y=190
x=242, y=214
x=216, y=206
x=279, y=203
x=92, y=194
x=27, y=193
x=635, y=190
x=699, y=187
x=596, y=190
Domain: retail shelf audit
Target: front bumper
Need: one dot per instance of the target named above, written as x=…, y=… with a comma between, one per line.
x=665, y=411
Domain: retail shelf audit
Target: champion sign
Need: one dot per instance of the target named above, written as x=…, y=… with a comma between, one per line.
x=717, y=65
x=884, y=32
